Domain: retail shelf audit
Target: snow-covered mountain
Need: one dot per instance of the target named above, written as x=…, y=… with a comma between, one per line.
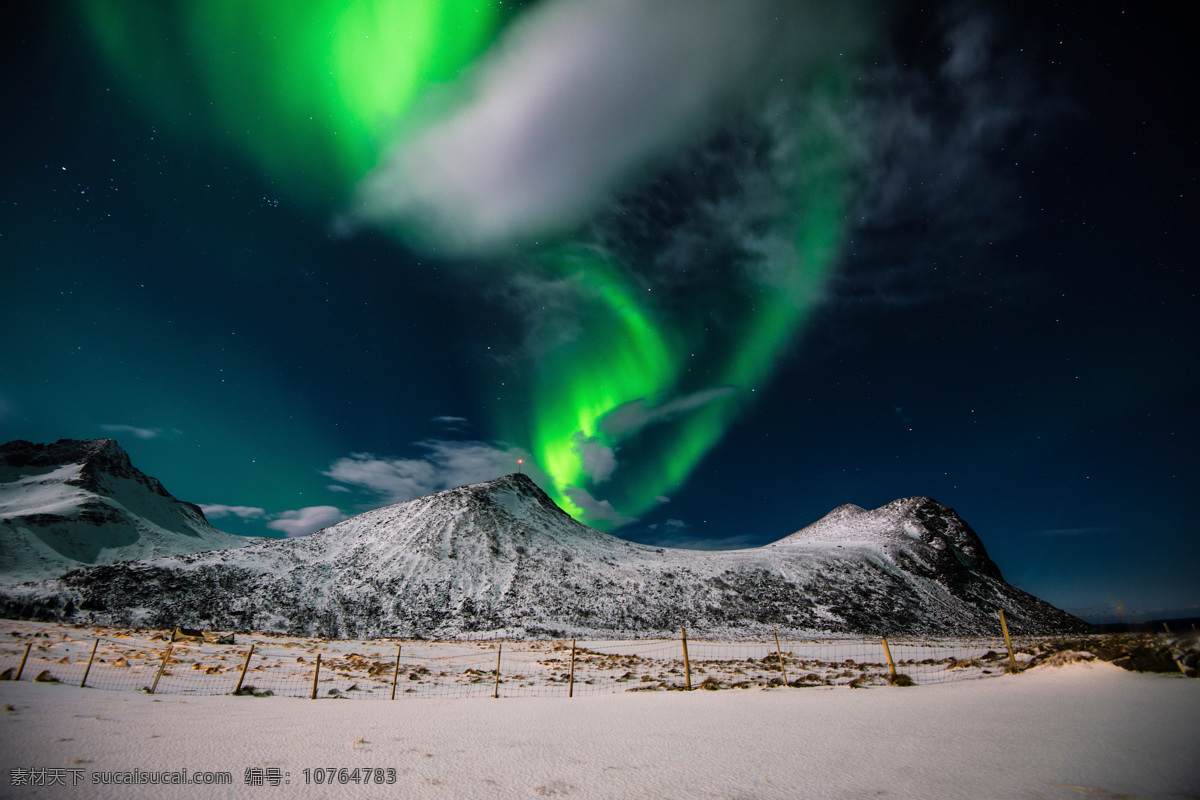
x=81, y=502
x=500, y=555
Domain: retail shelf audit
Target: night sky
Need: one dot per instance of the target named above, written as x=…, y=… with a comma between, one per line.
x=710, y=269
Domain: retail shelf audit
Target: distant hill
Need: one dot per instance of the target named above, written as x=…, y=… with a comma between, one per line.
x=77, y=503
x=501, y=555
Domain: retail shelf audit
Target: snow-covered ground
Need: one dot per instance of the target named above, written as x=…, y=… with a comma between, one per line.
x=268, y=664
x=1082, y=730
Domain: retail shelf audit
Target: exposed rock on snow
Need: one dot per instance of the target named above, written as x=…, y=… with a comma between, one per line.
x=1136, y=652
x=81, y=502
x=501, y=556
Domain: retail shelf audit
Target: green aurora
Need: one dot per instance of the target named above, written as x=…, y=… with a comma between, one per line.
x=314, y=94
x=636, y=353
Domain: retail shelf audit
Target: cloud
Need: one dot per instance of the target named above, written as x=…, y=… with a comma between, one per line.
x=8, y=409
x=446, y=464
x=299, y=522
x=637, y=414
x=220, y=511
x=941, y=134
x=304, y=521
x=599, y=460
x=670, y=526
x=548, y=305
x=451, y=423
x=138, y=433
x=577, y=99
x=597, y=510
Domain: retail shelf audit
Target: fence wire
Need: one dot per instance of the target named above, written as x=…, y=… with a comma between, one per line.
x=389, y=669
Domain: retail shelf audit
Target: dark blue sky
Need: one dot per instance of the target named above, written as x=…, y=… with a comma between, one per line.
x=1008, y=324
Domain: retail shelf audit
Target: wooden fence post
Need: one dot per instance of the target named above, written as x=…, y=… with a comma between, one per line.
x=316, y=673
x=245, y=665
x=83, y=682
x=1012, y=658
x=687, y=666
x=161, y=668
x=887, y=651
x=779, y=655
x=396, y=671
x=571, y=679
x=21, y=668
x=496, y=686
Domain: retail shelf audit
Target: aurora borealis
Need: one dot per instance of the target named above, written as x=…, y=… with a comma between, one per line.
x=710, y=269
x=314, y=96
x=310, y=93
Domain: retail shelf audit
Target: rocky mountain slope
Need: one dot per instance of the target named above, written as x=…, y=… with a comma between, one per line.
x=81, y=502
x=501, y=556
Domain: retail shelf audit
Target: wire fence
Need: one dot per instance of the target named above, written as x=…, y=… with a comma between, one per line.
x=264, y=664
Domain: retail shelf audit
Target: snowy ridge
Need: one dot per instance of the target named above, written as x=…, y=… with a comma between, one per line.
x=950, y=542
x=81, y=502
x=500, y=556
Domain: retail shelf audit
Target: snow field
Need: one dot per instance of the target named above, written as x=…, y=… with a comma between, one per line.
x=1084, y=730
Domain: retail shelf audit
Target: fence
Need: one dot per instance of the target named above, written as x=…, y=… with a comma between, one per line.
x=389, y=669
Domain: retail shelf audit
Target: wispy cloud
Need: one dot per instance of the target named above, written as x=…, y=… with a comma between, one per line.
x=304, y=521
x=446, y=464
x=298, y=522
x=597, y=510
x=631, y=417
x=598, y=459
x=220, y=511
x=580, y=96
x=451, y=423
x=137, y=432
x=598, y=454
x=942, y=142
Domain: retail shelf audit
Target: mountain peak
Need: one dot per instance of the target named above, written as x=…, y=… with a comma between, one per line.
x=516, y=486
x=81, y=501
x=101, y=459
x=22, y=453
x=949, y=541
x=512, y=481
x=506, y=517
